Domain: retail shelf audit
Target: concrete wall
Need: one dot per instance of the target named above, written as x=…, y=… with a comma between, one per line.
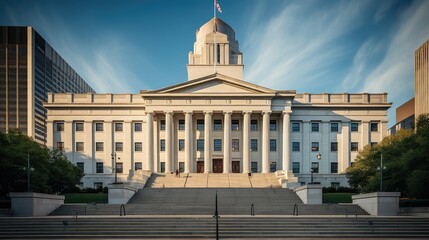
x=310, y=194
x=379, y=203
x=120, y=193
x=28, y=204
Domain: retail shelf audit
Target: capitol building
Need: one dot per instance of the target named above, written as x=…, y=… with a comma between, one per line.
x=216, y=122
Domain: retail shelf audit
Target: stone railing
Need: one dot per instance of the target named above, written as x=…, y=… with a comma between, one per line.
x=340, y=98
x=90, y=98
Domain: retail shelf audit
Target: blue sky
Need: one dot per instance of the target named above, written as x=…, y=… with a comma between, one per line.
x=306, y=45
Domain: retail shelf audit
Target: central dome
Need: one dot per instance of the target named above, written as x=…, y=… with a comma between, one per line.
x=219, y=25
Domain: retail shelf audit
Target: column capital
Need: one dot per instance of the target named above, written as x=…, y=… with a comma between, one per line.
x=227, y=112
x=168, y=112
x=286, y=112
x=149, y=112
x=266, y=112
x=208, y=112
x=188, y=112
x=247, y=112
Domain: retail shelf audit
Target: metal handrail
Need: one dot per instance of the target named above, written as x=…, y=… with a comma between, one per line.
x=252, y=210
x=75, y=216
x=295, y=209
x=122, y=208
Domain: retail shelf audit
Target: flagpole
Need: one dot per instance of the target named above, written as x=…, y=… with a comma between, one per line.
x=214, y=37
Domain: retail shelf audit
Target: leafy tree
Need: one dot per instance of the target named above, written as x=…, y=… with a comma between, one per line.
x=406, y=162
x=47, y=174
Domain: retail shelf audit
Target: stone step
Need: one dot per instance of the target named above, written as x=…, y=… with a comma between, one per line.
x=203, y=227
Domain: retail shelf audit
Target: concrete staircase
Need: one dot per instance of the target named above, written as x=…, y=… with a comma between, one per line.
x=204, y=227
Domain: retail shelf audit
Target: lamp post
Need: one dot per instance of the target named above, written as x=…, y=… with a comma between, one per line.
x=381, y=168
x=28, y=173
x=114, y=168
x=314, y=167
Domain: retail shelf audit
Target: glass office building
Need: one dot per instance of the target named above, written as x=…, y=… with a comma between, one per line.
x=29, y=69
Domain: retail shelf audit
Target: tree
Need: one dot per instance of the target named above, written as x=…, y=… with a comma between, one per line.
x=405, y=157
x=47, y=174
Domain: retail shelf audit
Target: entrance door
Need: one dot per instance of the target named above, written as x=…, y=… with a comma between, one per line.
x=200, y=166
x=217, y=165
x=236, y=166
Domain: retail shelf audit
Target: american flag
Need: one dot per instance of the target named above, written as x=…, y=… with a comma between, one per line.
x=218, y=6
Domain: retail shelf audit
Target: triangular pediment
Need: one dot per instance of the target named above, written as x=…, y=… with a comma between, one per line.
x=213, y=85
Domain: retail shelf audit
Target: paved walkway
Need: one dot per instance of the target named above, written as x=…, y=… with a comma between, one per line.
x=215, y=180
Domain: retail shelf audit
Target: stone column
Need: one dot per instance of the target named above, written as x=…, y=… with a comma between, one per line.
x=149, y=141
x=344, y=161
x=188, y=141
x=227, y=142
x=265, y=142
x=207, y=141
x=285, y=142
x=50, y=134
x=246, y=142
x=168, y=141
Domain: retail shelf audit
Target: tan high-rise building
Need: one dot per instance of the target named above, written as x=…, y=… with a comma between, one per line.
x=421, y=79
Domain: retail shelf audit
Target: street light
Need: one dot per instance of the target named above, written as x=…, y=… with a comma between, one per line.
x=381, y=168
x=114, y=168
x=29, y=169
x=314, y=167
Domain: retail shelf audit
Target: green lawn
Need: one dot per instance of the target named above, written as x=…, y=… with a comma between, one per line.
x=337, y=197
x=85, y=197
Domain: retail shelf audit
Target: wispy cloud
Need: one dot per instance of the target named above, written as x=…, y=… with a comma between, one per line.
x=299, y=43
x=395, y=72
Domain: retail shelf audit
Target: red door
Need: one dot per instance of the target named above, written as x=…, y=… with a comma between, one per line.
x=217, y=165
x=236, y=166
x=200, y=166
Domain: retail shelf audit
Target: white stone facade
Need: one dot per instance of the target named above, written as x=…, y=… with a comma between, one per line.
x=216, y=123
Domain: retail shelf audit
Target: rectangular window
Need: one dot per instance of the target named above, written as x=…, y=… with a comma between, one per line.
x=254, y=167
x=235, y=145
x=137, y=127
x=334, y=167
x=374, y=127
x=254, y=145
x=99, y=146
x=200, y=144
x=314, y=146
x=254, y=125
x=334, y=146
x=235, y=125
x=99, y=167
x=217, y=126
x=354, y=146
x=138, y=166
x=217, y=145
x=295, y=147
x=119, y=127
x=162, y=145
x=99, y=127
x=315, y=167
x=181, y=167
x=296, y=127
x=81, y=166
x=163, y=167
x=334, y=127
x=138, y=146
x=273, y=166
x=79, y=127
x=273, y=125
x=181, y=145
x=119, y=167
x=181, y=124
x=60, y=146
x=200, y=124
x=314, y=127
x=162, y=125
x=273, y=145
x=295, y=167
x=79, y=147
x=354, y=126
x=60, y=126
x=119, y=146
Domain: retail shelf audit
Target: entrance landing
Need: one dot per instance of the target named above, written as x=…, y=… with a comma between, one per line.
x=213, y=180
